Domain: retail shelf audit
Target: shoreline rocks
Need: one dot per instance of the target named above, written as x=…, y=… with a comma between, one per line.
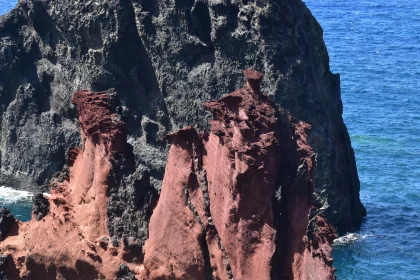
x=6, y=222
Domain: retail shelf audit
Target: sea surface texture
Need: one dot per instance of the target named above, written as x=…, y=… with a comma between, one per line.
x=6, y=5
x=375, y=46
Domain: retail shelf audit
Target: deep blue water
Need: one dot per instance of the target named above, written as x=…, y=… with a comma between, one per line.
x=6, y=5
x=19, y=202
x=375, y=46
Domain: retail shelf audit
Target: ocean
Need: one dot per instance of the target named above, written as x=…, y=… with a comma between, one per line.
x=6, y=5
x=375, y=46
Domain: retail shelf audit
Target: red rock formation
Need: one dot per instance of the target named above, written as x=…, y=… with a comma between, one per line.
x=217, y=194
x=236, y=202
x=308, y=253
x=71, y=241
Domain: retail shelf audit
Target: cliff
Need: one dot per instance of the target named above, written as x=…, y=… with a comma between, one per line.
x=94, y=204
x=236, y=201
x=165, y=58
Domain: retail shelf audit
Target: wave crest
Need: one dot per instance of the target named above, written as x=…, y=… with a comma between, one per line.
x=9, y=195
x=349, y=238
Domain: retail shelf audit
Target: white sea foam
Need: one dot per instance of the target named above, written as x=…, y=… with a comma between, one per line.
x=9, y=195
x=350, y=238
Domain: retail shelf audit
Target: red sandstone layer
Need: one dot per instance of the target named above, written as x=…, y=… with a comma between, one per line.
x=235, y=201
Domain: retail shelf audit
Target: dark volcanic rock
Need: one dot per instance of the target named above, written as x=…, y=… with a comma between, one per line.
x=6, y=222
x=3, y=260
x=124, y=273
x=131, y=203
x=166, y=57
x=40, y=206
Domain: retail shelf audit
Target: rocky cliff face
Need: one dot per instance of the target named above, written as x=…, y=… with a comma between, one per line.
x=235, y=203
x=165, y=58
x=81, y=235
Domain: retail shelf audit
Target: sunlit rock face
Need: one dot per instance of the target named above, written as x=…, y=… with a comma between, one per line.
x=77, y=238
x=165, y=58
x=236, y=201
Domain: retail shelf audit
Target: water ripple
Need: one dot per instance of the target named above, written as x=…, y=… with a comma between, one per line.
x=375, y=46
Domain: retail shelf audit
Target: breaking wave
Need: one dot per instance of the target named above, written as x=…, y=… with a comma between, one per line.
x=350, y=238
x=9, y=195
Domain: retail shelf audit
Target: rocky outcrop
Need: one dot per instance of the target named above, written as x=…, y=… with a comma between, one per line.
x=40, y=206
x=6, y=222
x=77, y=238
x=240, y=198
x=3, y=260
x=236, y=201
x=166, y=58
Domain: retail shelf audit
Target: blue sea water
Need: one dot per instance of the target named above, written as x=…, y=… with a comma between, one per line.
x=375, y=46
x=6, y=5
x=18, y=202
